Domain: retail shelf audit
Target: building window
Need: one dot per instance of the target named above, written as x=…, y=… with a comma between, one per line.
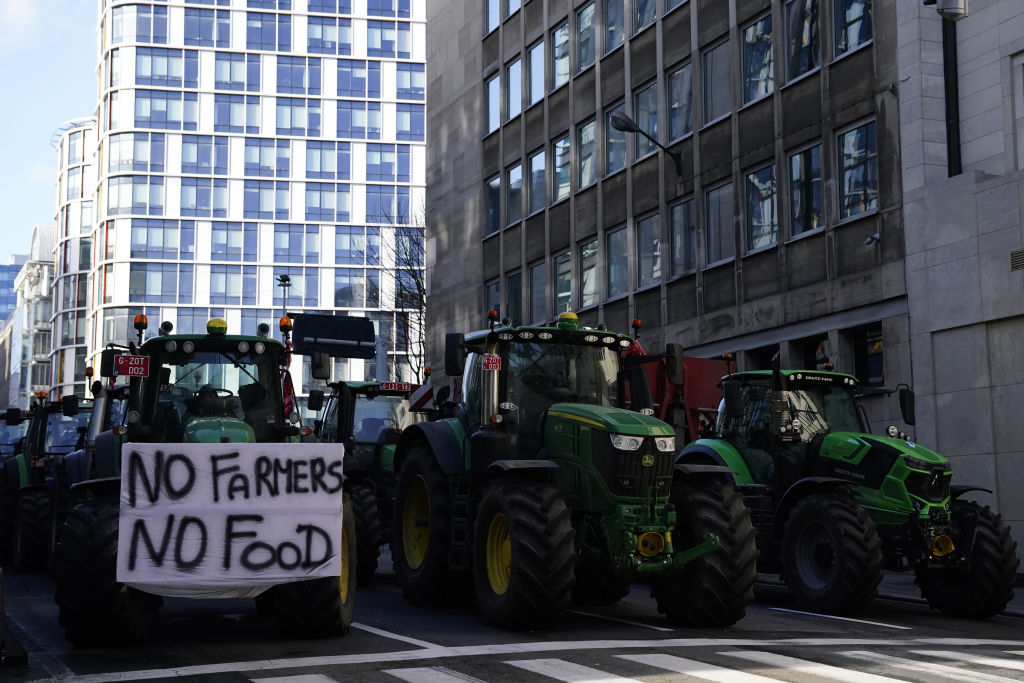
x=617, y=261
x=492, y=202
x=305, y=286
x=538, y=185
x=268, y=31
x=166, y=110
x=229, y=72
x=537, y=288
x=386, y=8
x=359, y=120
x=204, y=197
x=684, y=238
x=330, y=202
x=514, y=297
x=356, y=246
x=138, y=24
x=388, y=39
x=154, y=239
x=762, y=214
x=514, y=200
x=329, y=36
x=493, y=15
x=586, y=144
x=717, y=97
x=388, y=163
x=757, y=59
x=296, y=243
x=225, y=285
x=588, y=273
x=852, y=23
x=801, y=37
x=410, y=82
x=560, y=55
x=168, y=68
x=645, y=107
x=514, y=88
x=869, y=355
x=233, y=242
x=858, y=171
x=298, y=117
x=613, y=24
x=615, y=142
x=492, y=296
x=536, y=66
x=136, y=152
x=199, y=24
x=299, y=76
x=493, y=104
x=152, y=282
x=560, y=177
x=680, y=102
x=648, y=251
x=672, y=4
x=563, y=283
x=236, y=113
x=136, y=194
x=328, y=160
x=721, y=229
x=805, y=190
x=585, y=37
x=644, y=14
x=409, y=122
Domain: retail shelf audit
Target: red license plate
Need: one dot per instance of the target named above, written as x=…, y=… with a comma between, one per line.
x=131, y=366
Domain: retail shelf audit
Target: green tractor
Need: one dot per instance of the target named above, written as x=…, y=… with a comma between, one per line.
x=546, y=486
x=835, y=505
x=55, y=428
x=207, y=489
x=12, y=443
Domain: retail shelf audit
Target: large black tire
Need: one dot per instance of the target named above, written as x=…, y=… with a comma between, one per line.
x=831, y=555
x=367, y=519
x=31, y=530
x=8, y=505
x=523, y=553
x=324, y=607
x=421, y=534
x=715, y=589
x=96, y=610
x=984, y=586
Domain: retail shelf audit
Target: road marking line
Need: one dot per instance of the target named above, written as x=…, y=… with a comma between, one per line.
x=621, y=621
x=703, y=670
x=995, y=662
x=814, y=669
x=569, y=672
x=918, y=666
x=431, y=674
x=832, y=616
x=306, y=678
x=527, y=647
x=394, y=636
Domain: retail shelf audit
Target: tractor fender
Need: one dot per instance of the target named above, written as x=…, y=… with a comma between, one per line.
x=76, y=466
x=441, y=439
x=106, y=458
x=957, y=491
x=716, y=452
x=531, y=469
x=801, y=489
x=687, y=470
x=107, y=487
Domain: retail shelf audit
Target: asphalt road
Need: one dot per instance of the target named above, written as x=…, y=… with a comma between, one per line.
x=897, y=638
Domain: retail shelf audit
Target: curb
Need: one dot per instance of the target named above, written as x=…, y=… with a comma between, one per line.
x=11, y=651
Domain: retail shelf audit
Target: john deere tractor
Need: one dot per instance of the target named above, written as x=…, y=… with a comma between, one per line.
x=183, y=496
x=835, y=505
x=546, y=487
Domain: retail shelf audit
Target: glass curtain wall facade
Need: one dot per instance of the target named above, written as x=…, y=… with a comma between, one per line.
x=242, y=140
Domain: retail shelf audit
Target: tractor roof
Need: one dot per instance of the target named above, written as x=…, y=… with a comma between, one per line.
x=816, y=376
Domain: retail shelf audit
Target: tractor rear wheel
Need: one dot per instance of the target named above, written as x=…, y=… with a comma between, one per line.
x=715, y=589
x=31, y=530
x=367, y=519
x=831, y=554
x=523, y=553
x=96, y=610
x=984, y=586
x=318, y=608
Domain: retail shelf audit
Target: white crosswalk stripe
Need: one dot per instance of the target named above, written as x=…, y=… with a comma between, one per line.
x=810, y=668
x=305, y=678
x=951, y=672
x=690, y=667
x=568, y=672
x=431, y=674
x=995, y=662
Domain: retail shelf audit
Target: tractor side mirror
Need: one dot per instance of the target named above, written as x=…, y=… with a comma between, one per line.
x=107, y=363
x=731, y=393
x=315, y=401
x=320, y=366
x=674, y=370
x=907, y=405
x=69, y=406
x=12, y=416
x=454, y=356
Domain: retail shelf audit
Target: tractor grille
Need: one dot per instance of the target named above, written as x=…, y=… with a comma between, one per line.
x=625, y=471
x=931, y=486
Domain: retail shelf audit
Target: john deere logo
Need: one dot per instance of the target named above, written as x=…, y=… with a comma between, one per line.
x=647, y=461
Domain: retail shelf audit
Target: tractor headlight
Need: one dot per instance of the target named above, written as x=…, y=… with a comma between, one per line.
x=626, y=443
x=665, y=444
x=918, y=464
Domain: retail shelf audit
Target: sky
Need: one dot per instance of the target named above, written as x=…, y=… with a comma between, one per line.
x=47, y=77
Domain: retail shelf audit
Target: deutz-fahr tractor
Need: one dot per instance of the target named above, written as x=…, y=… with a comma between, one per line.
x=199, y=407
x=546, y=487
x=835, y=505
x=55, y=428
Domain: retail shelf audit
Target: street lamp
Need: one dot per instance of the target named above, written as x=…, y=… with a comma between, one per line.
x=628, y=125
x=284, y=282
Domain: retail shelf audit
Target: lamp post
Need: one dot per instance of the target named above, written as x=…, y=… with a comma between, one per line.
x=628, y=125
x=284, y=282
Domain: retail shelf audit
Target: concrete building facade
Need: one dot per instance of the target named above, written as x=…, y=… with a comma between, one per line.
x=30, y=322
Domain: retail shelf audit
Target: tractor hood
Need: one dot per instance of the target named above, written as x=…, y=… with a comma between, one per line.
x=613, y=420
x=218, y=429
x=867, y=459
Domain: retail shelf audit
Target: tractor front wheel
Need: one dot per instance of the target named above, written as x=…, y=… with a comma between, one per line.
x=96, y=610
x=715, y=589
x=831, y=555
x=367, y=518
x=523, y=555
x=984, y=586
x=31, y=530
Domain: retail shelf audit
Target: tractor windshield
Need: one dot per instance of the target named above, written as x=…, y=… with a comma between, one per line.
x=823, y=409
x=65, y=434
x=542, y=374
x=374, y=415
x=12, y=438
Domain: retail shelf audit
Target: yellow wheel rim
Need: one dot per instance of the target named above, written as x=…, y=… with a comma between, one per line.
x=416, y=522
x=499, y=554
x=346, y=565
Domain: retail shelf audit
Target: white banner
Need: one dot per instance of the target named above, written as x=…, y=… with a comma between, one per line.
x=236, y=516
